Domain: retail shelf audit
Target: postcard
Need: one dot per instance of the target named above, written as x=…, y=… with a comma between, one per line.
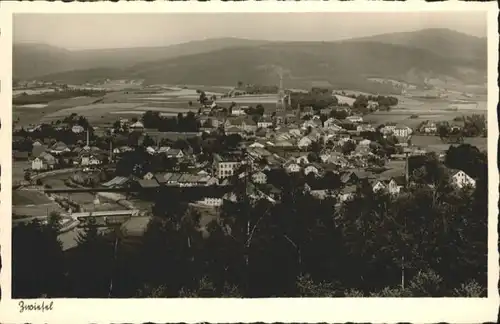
x=249, y=162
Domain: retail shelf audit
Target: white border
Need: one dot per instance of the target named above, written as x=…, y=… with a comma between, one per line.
x=388, y=310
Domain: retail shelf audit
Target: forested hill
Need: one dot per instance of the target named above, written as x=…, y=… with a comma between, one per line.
x=411, y=57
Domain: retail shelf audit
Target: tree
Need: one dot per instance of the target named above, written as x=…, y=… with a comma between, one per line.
x=148, y=141
x=348, y=147
x=467, y=158
x=36, y=246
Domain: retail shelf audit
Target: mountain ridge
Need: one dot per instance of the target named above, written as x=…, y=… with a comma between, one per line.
x=227, y=60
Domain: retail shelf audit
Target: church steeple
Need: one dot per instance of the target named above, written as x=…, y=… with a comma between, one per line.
x=281, y=103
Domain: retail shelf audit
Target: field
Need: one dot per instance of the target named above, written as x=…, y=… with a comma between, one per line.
x=434, y=143
x=29, y=197
x=32, y=203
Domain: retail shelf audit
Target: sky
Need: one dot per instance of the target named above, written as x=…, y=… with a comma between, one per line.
x=94, y=31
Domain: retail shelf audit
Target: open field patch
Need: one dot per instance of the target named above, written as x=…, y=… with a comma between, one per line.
x=345, y=100
x=34, y=106
x=18, y=168
x=434, y=143
x=138, y=113
x=249, y=100
x=36, y=210
x=29, y=197
x=89, y=110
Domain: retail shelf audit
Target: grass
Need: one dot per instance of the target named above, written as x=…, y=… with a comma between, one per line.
x=434, y=143
x=35, y=210
x=29, y=197
x=18, y=168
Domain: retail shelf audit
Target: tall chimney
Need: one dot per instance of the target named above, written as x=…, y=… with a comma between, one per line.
x=407, y=169
x=88, y=138
x=110, y=151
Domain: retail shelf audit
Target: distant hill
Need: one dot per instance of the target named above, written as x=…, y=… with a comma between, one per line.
x=410, y=57
x=33, y=60
x=440, y=41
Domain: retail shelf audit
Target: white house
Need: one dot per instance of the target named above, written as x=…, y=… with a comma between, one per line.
x=59, y=148
x=460, y=179
x=77, y=129
x=259, y=177
x=257, y=144
x=365, y=142
x=402, y=131
x=265, y=123
x=292, y=167
x=175, y=153
x=311, y=168
x=394, y=186
x=137, y=127
x=304, y=142
x=211, y=201
x=355, y=119
x=238, y=111
x=37, y=164
x=378, y=185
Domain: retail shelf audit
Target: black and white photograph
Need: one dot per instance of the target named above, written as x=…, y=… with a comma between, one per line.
x=250, y=155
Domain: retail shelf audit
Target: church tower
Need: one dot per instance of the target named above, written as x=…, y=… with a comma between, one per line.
x=281, y=103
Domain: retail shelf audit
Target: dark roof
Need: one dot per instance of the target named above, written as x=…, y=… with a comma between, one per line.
x=116, y=181
x=151, y=183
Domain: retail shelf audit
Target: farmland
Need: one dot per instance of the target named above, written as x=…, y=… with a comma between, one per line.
x=435, y=144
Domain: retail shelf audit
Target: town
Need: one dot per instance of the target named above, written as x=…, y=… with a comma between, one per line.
x=308, y=162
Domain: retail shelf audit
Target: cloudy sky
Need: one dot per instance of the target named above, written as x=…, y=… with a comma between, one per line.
x=86, y=31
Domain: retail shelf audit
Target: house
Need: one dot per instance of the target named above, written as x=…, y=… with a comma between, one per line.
x=429, y=128
x=211, y=201
x=337, y=159
x=265, y=123
x=313, y=123
x=304, y=142
x=311, y=169
x=77, y=129
x=283, y=144
x=148, y=176
x=355, y=119
x=237, y=111
x=332, y=123
x=402, y=131
x=347, y=193
x=249, y=125
x=302, y=159
x=388, y=129
x=137, y=127
x=460, y=179
x=353, y=177
x=44, y=162
x=233, y=130
x=365, y=142
x=295, y=132
x=365, y=128
x=256, y=145
x=175, y=153
x=395, y=185
x=37, y=164
x=259, y=177
x=378, y=185
x=292, y=167
x=225, y=167
x=59, y=148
